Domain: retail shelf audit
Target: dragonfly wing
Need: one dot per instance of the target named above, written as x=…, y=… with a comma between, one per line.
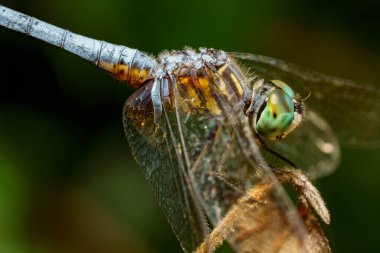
x=152, y=148
x=312, y=147
x=352, y=109
x=224, y=162
x=200, y=155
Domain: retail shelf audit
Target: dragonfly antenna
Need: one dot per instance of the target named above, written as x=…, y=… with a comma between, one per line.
x=306, y=98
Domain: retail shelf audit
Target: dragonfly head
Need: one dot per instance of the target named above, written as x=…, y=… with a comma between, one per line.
x=280, y=113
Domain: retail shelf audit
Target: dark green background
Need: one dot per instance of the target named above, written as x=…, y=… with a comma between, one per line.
x=68, y=182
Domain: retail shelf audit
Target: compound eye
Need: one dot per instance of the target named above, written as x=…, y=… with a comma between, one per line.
x=277, y=115
x=284, y=87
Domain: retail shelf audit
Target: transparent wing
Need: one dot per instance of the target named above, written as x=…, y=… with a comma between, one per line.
x=155, y=152
x=225, y=162
x=312, y=147
x=202, y=156
x=352, y=109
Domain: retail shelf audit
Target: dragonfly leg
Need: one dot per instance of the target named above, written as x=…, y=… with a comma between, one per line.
x=241, y=193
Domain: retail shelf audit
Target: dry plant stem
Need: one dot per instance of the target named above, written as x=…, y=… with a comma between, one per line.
x=242, y=220
x=317, y=241
x=306, y=191
x=250, y=201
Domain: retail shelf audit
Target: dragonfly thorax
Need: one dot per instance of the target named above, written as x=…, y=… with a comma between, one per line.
x=182, y=61
x=197, y=82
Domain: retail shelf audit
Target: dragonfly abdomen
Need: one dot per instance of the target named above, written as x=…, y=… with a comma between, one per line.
x=126, y=64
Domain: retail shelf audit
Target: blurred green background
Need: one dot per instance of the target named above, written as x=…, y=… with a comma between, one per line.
x=68, y=182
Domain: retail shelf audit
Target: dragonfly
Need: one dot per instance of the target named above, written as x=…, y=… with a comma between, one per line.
x=217, y=134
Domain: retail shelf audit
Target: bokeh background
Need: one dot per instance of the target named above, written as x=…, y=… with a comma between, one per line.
x=68, y=182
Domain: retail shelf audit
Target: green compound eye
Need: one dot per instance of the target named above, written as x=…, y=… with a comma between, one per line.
x=284, y=87
x=277, y=116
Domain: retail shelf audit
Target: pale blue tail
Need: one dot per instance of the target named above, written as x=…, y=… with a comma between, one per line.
x=126, y=64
